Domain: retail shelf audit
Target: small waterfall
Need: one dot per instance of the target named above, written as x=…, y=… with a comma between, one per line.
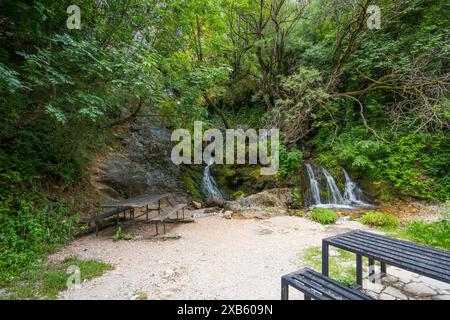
x=209, y=185
x=352, y=192
x=315, y=188
x=334, y=195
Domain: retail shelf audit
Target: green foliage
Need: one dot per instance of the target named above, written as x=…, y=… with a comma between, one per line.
x=30, y=226
x=297, y=199
x=324, y=216
x=379, y=219
x=290, y=162
x=434, y=234
x=45, y=280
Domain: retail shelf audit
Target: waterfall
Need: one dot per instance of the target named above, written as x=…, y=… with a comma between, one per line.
x=352, y=192
x=315, y=189
x=209, y=185
x=334, y=195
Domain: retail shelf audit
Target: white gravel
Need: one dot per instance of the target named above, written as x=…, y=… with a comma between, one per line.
x=215, y=258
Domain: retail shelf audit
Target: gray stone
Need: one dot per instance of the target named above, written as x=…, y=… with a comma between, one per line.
x=403, y=275
x=385, y=296
x=435, y=284
x=395, y=293
x=419, y=289
x=373, y=287
x=142, y=166
x=441, y=297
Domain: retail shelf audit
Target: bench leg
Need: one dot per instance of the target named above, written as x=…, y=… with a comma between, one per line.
x=359, y=270
x=156, y=224
x=383, y=270
x=325, y=258
x=183, y=213
x=146, y=213
x=284, y=290
x=164, y=225
x=372, y=277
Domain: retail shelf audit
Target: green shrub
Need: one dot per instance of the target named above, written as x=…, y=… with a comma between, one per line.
x=324, y=216
x=434, y=234
x=290, y=162
x=379, y=219
x=297, y=199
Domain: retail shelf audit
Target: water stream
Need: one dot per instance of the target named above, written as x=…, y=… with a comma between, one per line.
x=351, y=197
x=209, y=185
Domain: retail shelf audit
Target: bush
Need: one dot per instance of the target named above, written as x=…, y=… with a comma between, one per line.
x=290, y=162
x=379, y=219
x=434, y=234
x=324, y=216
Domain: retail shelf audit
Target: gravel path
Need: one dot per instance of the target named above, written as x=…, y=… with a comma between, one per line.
x=215, y=258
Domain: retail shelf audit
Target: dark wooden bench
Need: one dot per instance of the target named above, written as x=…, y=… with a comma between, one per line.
x=318, y=287
x=430, y=262
x=169, y=212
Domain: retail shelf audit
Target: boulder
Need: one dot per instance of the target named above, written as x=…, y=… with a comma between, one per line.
x=197, y=205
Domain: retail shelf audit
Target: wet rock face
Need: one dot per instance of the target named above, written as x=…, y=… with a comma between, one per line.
x=143, y=166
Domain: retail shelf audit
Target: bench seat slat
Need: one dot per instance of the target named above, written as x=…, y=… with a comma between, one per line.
x=439, y=261
x=320, y=287
x=435, y=252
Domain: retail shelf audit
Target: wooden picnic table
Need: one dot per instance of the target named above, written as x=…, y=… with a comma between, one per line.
x=136, y=202
x=144, y=201
x=129, y=205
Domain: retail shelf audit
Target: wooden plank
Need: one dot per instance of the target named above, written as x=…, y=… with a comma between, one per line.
x=135, y=202
x=320, y=287
x=166, y=214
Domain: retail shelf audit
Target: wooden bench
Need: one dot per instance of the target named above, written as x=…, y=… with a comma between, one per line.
x=319, y=287
x=430, y=262
x=99, y=217
x=165, y=215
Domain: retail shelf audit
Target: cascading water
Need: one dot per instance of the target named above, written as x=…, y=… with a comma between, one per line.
x=352, y=193
x=209, y=185
x=315, y=188
x=334, y=195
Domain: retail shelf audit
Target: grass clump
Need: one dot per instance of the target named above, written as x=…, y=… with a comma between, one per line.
x=46, y=280
x=342, y=264
x=324, y=216
x=434, y=234
x=379, y=219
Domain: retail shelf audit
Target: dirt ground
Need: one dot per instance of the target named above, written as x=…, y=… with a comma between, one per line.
x=214, y=258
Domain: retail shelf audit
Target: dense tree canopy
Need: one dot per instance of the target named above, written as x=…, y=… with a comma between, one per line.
x=373, y=100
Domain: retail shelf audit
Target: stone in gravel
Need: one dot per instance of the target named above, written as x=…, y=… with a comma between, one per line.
x=197, y=205
x=168, y=273
x=228, y=214
x=265, y=231
x=395, y=293
x=418, y=289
